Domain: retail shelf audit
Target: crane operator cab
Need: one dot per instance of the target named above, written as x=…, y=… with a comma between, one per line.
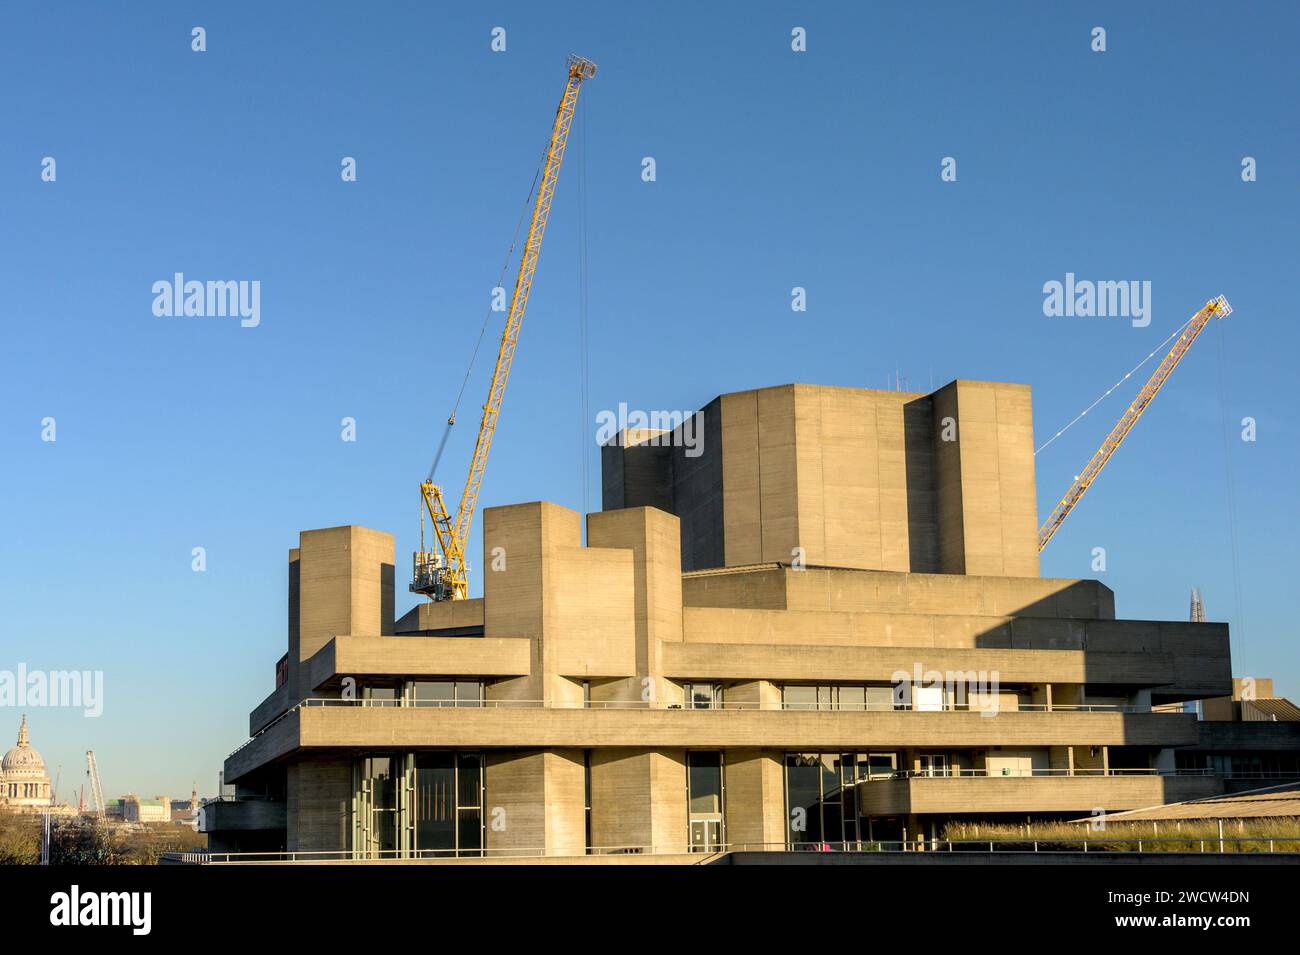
x=429, y=575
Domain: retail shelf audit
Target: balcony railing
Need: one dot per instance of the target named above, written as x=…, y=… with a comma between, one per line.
x=960, y=772
x=1088, y=842
x=1013, y=774
x=725, y=705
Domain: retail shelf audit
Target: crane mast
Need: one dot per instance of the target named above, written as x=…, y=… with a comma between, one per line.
x=445, y=575
x=96, y=789
x=1216, y=308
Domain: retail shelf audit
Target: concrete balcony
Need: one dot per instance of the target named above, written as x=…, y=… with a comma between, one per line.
x=1177, y=660
x=268, y=710
x=978, y=794
x=334, y=724
x=418, y=657
x=1250, y=736
x=242, y=815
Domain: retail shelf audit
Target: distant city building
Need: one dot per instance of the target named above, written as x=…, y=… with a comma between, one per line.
x=184, y=812
x=135, y=809
x=24, y=783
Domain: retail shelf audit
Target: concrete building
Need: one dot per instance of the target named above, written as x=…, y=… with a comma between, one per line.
x=1250, y=737
x=822, y=625
x=131, y=808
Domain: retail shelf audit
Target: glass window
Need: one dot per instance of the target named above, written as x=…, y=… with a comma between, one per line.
x=469, y=692
x=448, y=803
x=853, y=697
x=702, y=696
x=382, y=780
x=471, y=832
x=383, y=773
x=435, y=802
x=704, y=770
x=928, y=698
x=469, y=787
x=381, y=695
x=831, y=798
x=881, y=765
x=797, y=697
x=803, y=797
x=586, y=793
x=880, y=698
x=433, y=693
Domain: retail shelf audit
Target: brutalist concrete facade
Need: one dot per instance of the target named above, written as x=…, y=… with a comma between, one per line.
x=825, y=629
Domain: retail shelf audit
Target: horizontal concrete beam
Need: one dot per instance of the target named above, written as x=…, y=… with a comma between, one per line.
x=348, y=727
x=1250, y=736
x=1027, y=794
x=735, y=661
x=271, y=707
x=277, y=740
x=1195, y=656
x=780, y=587
x=243, y=815
x=420, y=656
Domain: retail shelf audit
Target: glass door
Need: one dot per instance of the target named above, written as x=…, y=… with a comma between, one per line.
x=934, y=764
x=704, y=800
x=376, y=831
x=706, y=833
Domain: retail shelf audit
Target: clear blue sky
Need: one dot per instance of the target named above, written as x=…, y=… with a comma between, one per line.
x=775, y=170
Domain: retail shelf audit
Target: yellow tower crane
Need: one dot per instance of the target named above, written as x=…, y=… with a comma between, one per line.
x=1216, y=308
x=443, y=574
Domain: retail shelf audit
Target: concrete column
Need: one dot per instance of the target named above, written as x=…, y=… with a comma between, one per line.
x=986, y=499
x=760, y=694
x=755, y=797
x=341, y=581
x=318, y=805
x=638, y=798
x=574, y=603
x=654, y=539
x=535, y=802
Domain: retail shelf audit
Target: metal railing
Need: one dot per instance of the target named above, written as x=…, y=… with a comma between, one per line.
x=749, y=705
x=1094, y=843
x=954, y=772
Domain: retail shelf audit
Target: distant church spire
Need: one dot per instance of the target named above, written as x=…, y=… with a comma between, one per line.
x=1198, y=606
x=22, y=731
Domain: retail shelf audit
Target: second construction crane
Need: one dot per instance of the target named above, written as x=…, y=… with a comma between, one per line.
x=444, y=574
x=1215, y=308
x=96, y=788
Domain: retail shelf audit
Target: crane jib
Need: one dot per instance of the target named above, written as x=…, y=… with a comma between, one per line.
x=1215, y=308
x=444, y=574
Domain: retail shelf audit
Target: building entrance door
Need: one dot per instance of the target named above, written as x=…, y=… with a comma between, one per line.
x=706, y=833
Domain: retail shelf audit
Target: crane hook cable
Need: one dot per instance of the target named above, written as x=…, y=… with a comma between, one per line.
x=1230, y=495
x=583, y=361
x=1178, y=331
x=505, y=267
